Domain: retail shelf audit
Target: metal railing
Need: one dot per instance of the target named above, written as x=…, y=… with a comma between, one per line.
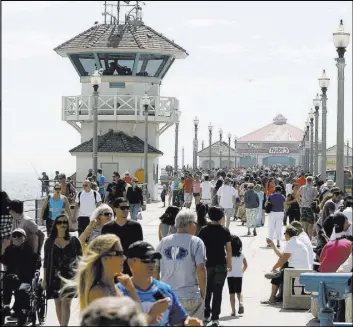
x=113, y=105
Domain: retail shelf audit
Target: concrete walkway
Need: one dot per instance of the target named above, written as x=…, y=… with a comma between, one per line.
x=255, y=286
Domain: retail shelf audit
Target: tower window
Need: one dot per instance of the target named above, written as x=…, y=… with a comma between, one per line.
x=151, y=65
x=117, y=64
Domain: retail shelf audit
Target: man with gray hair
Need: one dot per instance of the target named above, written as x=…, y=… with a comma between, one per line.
x=183, y=264
x=306, y=196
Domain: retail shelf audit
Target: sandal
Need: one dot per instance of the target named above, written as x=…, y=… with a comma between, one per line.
x=270, y=302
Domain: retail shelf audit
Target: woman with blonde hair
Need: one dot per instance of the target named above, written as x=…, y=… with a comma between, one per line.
x=100, y=269
x=100, y=216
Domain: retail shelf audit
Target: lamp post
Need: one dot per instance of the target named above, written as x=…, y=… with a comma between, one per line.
x=145, y=102
x=210, y=127
x=220, y=147
x=96, y=79
x=341, y=41
x=196, y=124
x=203, y=144
x=307, y=139
x=324, y=82
x=347, y=153
x=229, y=137
x=176, y=150
x=311, y=117
x=235, y=151
x=316, y=103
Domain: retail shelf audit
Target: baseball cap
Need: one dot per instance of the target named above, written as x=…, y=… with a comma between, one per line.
x=142, y=250
x=19, y=230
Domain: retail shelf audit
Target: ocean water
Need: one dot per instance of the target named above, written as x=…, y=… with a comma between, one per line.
x=22, y=186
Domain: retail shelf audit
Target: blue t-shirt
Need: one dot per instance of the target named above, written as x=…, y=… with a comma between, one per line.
x=277, y=200
x=175, y=311
x=101, y=181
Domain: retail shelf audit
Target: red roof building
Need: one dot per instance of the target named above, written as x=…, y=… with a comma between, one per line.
x=275, y=143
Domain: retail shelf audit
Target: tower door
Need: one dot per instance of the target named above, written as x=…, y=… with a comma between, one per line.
x=108, y=170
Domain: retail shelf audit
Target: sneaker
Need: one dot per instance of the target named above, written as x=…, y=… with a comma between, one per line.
x=249, y=233
x=232, y=314
x=213, y=323
x=207, y=319
x=254, y=232
x=6, y=311
x=241, y=309
x=273, y=274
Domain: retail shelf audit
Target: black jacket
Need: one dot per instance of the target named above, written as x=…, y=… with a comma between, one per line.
x=134, y=196
x=21, y=261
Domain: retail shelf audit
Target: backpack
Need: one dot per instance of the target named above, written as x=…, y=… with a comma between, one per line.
x=46, y=211
x=95, y=197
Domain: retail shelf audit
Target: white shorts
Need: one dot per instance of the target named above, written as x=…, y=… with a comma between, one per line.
x=188, y=197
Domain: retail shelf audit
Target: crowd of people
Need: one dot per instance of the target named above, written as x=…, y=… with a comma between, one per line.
x=120, y=279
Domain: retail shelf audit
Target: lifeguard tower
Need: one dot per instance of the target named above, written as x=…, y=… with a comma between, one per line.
x=133, y=59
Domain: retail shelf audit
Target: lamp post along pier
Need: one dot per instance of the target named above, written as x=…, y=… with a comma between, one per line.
x=195, y=145
x=324, y=82
x=96, y=79
x=316, y=103
x=229, y=137
x=220, y=147
x=341, y=41
x=210, y=127
x=235, y=151
x=311, y=117
x=146, y=102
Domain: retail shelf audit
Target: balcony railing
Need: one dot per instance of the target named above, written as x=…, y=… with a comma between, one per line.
x=81, y=107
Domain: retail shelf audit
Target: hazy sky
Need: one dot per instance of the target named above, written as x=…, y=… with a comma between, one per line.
x=248, y=62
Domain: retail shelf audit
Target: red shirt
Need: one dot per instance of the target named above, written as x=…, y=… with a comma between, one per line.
x=334, y=254
x=301, y=181
x=127, y=179
x=188, y=185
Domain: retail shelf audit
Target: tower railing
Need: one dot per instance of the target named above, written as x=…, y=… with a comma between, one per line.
x=81, y=107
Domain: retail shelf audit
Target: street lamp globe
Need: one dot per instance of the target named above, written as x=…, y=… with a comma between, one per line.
x=220, y=132
x=196, y=121
x=96, y=77
x=307, y=124
x=324, y=81
x=146, y=100
x=341, y=38
x=229, y=135
x=311, y=114
x=317, y=101
x=210, y=127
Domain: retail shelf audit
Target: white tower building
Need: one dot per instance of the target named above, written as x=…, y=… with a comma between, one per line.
x=134, y=59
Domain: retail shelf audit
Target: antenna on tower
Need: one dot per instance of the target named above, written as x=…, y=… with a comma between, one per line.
x=134, y=16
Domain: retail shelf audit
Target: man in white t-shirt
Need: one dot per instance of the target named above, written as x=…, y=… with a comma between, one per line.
x=303, y=237
x=295, y=253
x=206, y=191
x=85, y=203
x=227, y=196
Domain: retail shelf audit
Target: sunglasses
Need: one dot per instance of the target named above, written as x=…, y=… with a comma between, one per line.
x=62, y=222
x=115, y=254
x=107, y=214
x=148, y=261
x=17, y=235
x=124, y=207
x=57, y=189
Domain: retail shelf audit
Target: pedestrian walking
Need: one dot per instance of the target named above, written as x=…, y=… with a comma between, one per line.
x=252, y=203
x=235, y=277
x=275, y=219
x=219, y=261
